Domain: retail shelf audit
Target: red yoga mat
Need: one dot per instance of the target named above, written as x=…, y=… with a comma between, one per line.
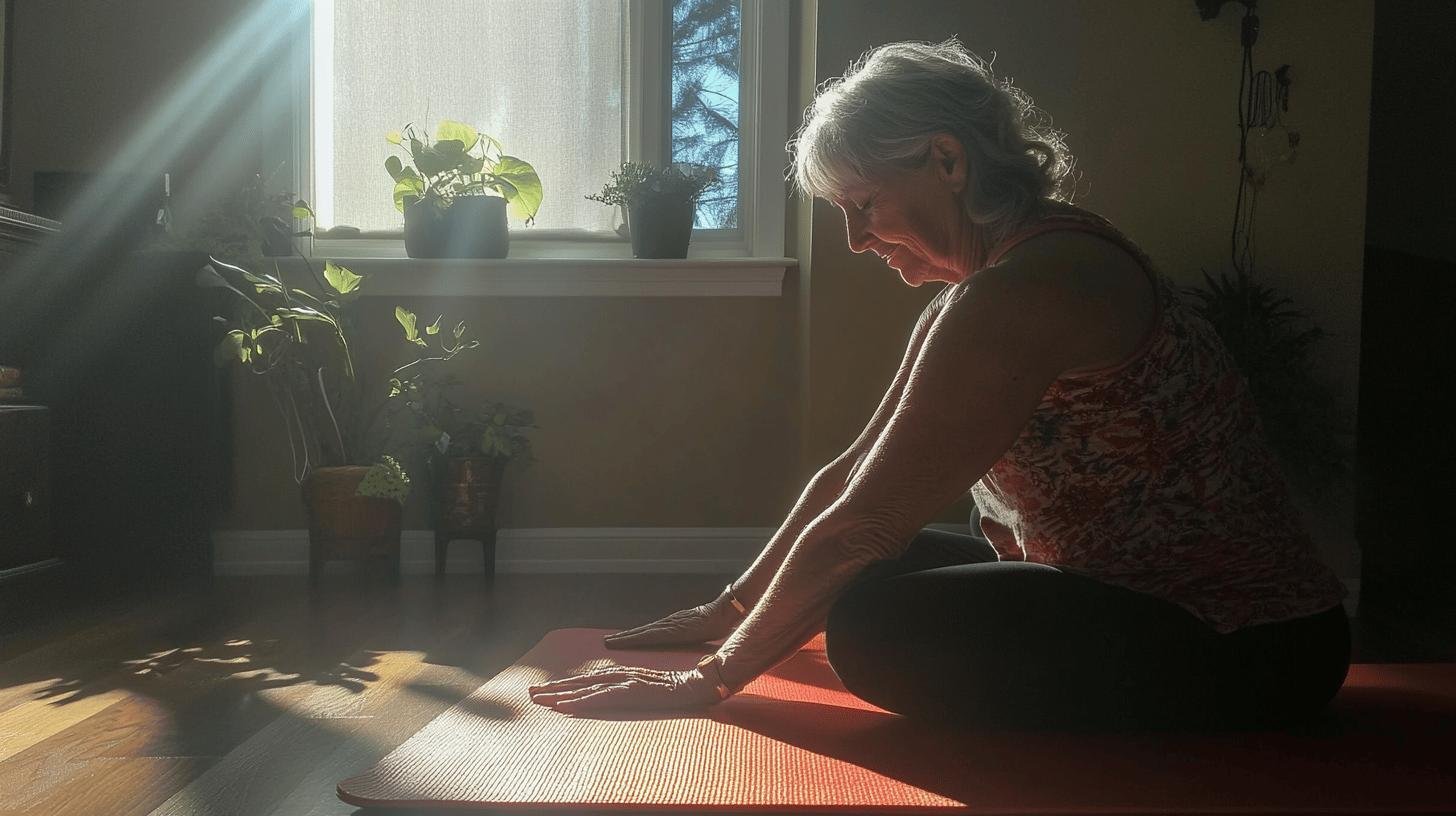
x=794, y=739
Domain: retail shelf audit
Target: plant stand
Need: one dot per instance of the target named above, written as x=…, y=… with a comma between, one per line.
x=486, y=537
x=467, y=489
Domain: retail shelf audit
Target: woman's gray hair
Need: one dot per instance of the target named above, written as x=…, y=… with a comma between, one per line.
x=879, y=117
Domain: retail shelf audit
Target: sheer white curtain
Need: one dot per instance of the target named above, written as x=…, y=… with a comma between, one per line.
x=545, y=77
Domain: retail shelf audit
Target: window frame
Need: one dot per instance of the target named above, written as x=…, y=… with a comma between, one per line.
x=763, y=134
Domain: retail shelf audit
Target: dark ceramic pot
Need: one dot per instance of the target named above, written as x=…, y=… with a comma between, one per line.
x=467, y=492
x=277, y=238
x=471, y=227
x=660, y=227
x=344, y=525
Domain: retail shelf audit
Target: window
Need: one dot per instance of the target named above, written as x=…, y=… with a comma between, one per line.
x=573, y=86
x=704, y=117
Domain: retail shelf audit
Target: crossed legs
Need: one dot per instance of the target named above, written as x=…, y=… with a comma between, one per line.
x=949, y=633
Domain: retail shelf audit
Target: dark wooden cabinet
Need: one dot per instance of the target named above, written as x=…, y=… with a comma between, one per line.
x=25, y=488
x=117, y=344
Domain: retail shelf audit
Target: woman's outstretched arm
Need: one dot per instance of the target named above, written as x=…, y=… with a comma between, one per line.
x=829, y=483
x=717, y=618
x=984, y=367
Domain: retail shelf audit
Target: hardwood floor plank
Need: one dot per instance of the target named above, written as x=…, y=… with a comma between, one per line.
x=196, y=699
x=340, y=722
x=151, y=627
x=365, y=739
x=82, y=655
x=116, y=786
x=36, y=721
x=314, y=723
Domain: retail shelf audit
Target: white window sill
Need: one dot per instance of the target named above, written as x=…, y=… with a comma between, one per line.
x=572, y=277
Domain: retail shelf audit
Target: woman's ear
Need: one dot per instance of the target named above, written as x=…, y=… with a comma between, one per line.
x=948, y=160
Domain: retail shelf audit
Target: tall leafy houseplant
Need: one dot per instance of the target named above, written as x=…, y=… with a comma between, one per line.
x=1272, y=343
x=660, y=204
x=456, y=190
x=300, y=343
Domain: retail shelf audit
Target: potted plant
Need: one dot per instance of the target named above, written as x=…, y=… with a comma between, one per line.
x=299, y=342
x=456, y=191
x=467, y=451
x=660, y=204
x=250, y=223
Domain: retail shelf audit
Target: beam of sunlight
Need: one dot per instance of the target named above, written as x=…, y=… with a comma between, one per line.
x=205, y=88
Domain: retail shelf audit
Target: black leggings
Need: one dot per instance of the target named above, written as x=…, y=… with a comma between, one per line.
x=948, y=633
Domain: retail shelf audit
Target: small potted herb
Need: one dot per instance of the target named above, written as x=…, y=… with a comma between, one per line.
x=660, y=204
x=456, y=191
x=468, y=450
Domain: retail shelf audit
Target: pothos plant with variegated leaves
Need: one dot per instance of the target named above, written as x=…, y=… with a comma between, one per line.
x=460, y=161
x=300, y=343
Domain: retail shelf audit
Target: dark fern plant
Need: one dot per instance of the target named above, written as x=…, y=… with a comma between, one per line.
x=1272, y=343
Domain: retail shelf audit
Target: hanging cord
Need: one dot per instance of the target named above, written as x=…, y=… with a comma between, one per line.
x=1261, y=98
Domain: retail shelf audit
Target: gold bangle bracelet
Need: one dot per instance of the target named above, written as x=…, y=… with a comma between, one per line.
x=733, y=599
x=718, y=685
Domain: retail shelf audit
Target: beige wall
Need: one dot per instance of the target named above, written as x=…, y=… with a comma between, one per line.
x=706, y=412
x=672, y=412
x=1146, y=91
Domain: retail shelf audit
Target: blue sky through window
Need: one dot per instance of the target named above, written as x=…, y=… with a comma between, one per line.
x=706, y=37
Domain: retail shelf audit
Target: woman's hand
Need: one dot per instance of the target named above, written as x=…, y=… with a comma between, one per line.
x=710, y=621
x=625, y=687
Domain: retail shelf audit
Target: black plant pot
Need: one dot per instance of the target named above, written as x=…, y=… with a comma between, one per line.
x=660, y=227
x=471, y=227
x=277, y=238
x=424, y=231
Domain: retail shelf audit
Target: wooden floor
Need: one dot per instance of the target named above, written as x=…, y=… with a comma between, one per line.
x=255, y=695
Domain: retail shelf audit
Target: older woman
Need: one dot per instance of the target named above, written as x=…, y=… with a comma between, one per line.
x=1137, y=561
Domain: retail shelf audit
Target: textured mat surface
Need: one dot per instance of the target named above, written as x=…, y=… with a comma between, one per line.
x=795, y=739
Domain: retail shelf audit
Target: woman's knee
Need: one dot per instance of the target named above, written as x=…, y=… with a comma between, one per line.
x=850, y=630
x=864, y=643
x=1287, y=673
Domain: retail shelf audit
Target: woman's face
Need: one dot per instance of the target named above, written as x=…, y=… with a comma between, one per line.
x=914, y=220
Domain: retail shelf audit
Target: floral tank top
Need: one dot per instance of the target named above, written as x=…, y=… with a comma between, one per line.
x=1154, y=475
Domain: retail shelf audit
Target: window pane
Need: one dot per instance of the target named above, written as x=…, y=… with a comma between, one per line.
x=542, y=76
x=705, y=58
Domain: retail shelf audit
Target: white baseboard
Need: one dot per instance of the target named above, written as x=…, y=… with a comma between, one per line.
x=710, y=550
x=556, y=550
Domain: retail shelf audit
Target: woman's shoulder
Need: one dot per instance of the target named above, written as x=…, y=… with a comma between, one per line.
x=1074, y=252
x=1063, y=230
x=1105, y=291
